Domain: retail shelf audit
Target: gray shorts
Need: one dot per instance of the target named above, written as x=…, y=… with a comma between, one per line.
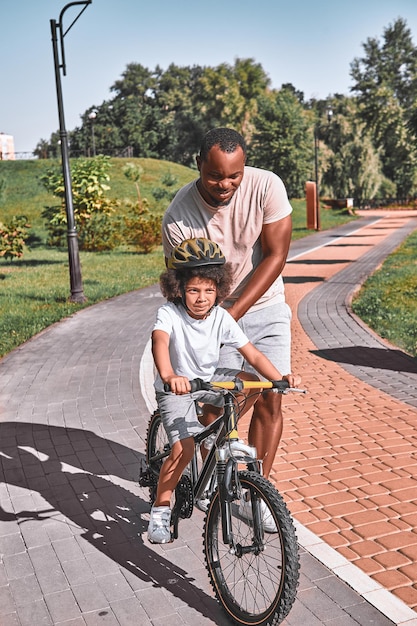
x=178, y=413
x=269, y=329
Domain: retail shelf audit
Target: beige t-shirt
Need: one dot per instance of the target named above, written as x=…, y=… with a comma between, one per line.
x=260, y=199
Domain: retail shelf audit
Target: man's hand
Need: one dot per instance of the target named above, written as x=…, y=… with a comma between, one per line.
x=292, y=379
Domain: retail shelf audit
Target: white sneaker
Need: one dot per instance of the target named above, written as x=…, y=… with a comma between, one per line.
x=159, y=525
x=268, y=522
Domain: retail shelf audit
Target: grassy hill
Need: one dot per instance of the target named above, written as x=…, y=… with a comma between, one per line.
x=23, y=193
x=34, y=290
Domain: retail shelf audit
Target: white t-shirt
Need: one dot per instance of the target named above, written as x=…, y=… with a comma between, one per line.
x=194, y=345
x=260, y=199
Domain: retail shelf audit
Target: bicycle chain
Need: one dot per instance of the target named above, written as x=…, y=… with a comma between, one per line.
x=184, y=495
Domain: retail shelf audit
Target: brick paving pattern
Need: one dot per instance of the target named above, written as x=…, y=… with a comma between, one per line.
x=349, y=452
x=73, y=519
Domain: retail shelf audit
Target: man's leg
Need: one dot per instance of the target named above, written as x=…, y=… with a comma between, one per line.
x=265, y=429
x=269, y=330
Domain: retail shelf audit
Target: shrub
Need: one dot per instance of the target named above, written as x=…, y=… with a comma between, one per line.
x=13, y=237
x=142, y=232
x=168, y=181
x=92, y=207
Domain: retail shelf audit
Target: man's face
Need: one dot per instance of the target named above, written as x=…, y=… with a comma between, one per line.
x=220, y=175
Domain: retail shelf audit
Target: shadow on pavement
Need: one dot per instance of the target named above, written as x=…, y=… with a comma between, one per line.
x=370, y=357
x=76, y=473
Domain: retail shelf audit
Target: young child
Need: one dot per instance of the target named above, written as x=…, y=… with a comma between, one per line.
x=189, y=331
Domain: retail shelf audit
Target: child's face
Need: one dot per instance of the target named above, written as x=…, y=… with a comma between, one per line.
x=200, y=296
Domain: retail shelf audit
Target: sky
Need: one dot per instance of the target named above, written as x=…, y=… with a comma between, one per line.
x=309, y=43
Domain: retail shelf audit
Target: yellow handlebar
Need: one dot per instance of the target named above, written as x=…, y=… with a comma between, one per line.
x=246, y=384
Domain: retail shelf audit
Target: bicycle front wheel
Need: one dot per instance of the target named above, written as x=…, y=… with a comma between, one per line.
x=255, y=580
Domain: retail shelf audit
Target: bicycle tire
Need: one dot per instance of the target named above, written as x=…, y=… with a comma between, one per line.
x=156, y=442
x=253, y=589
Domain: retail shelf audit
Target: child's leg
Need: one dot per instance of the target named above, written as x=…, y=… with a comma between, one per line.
x=181, y=454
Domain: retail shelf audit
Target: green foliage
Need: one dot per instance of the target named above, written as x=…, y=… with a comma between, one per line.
x=134, y=172
x=142, y=232
x=353, y=167
x=163, y=114
x=387, y=301
x=386, y=86
x=92, y=207
x=282, y=141
x=26, y=195
x=167, y=191
x=13, y=237
x=3, y=187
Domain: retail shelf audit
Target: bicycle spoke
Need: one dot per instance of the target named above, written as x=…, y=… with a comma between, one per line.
x=256, y=583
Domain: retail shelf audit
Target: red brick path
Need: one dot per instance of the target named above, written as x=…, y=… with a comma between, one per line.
x=348, y=457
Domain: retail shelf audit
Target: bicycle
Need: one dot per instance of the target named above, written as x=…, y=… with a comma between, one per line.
x=254, y=572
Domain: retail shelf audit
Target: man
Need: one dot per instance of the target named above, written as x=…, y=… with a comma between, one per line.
x=247, y=212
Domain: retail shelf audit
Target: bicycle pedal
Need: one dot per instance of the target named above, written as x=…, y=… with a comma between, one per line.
x=144, y=477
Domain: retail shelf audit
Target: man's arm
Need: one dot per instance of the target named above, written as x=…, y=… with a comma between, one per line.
x=275, y=240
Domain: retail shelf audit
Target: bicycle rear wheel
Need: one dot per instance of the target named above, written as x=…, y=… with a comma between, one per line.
x=156, y=443
x=255, y=581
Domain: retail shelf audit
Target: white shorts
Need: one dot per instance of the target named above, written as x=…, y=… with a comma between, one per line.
x=178, y=412
x=269, y=329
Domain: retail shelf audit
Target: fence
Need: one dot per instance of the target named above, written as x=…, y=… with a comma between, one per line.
x=121, y=153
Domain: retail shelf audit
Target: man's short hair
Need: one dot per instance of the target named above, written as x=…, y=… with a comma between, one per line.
x=226, y=138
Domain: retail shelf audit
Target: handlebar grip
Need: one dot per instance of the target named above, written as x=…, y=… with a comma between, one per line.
x=280, y=385
x=197, y=384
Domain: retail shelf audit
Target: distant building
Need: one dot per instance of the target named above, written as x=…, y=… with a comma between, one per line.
x=6, y=147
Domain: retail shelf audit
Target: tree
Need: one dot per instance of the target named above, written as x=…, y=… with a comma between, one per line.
x=92, y=207
x=385, y=81
x=282, y=140
x=352, y=166
x=164, y=114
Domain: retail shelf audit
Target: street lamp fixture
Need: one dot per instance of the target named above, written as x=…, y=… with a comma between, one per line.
x=329, y=113
x=77, y=293
x=92, y=117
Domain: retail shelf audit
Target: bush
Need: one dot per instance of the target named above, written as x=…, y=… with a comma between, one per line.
x=167, y=191
x=143, y=232
x=92, y=207
x=13, y=237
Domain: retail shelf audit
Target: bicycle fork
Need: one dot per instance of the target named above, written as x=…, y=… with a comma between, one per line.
x=228, y=456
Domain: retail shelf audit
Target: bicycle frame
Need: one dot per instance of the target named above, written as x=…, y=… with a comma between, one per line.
x=218, y=427
x=250, y=545
x=226, y=452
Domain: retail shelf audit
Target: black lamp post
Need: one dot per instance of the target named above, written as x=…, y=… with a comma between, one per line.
x=317, y=127
x=92, y=117
x=77, y=293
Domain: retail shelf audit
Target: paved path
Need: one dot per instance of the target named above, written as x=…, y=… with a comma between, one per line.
x=72, y=430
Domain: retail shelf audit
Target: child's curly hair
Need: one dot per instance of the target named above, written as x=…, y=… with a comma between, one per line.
x=173, y=282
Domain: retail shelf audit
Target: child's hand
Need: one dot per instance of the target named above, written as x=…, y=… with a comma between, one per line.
x=178, y=384
x=293, y=380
